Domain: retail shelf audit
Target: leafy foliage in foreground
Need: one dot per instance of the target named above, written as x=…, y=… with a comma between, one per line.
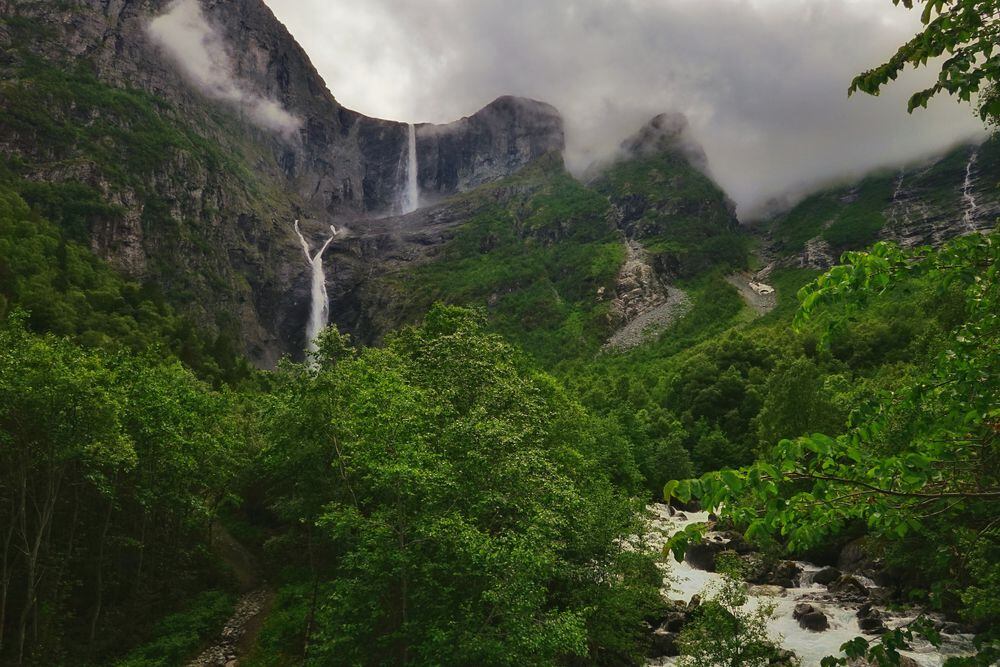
x=965, y=30
x=919, y=465
x=448, y=506
x=178, y=636
x=111, y=468
x=723, y=633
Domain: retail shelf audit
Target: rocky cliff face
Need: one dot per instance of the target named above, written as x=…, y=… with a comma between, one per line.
x=243, y=144
x=495, y=142
x=925, y=204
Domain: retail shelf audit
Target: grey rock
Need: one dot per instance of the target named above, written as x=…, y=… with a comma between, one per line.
x=810, y=618
x=826, y=576
x=848, y=586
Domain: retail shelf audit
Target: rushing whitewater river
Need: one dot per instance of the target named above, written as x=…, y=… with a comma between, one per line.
x=682, y=582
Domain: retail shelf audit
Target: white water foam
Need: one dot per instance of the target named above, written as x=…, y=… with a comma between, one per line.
x=682, y=582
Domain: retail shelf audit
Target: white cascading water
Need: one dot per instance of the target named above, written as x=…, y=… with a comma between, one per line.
x=319, y=307
x=411, y=194
x=968, y=195
x=811, y=647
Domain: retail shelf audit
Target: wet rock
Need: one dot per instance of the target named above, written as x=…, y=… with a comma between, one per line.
x=701, y=556
x=872, y=626
x=664, y=644
x=712, y=516
x=810, y=618
x=690, y=506
x=784, y=658
x=870, y=620
x=681, y=516
x=904, y=661
x=736, y=542
x=854, y=556
x=783, y=573
x=848, y=586
x=826, y=576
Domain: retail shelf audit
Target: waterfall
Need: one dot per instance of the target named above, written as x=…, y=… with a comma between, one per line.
x=899, y=208
x=411, y=195
x=319, y=308
x=967, y=194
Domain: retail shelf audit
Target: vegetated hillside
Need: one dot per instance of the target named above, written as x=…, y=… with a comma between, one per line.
x=544, y=254
x=923, y=204
x=199, y=194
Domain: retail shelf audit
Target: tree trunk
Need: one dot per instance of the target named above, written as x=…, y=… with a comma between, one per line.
x=5, y=574
x=99, y=599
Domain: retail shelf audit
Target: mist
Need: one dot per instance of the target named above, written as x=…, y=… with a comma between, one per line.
x=187, y=37
x=762, y=82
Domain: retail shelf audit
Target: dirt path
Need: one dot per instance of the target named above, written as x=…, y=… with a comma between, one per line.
x=239, y=635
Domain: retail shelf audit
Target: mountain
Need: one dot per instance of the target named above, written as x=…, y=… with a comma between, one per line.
x=923, y=204
x=147, y=136
x=200, y=170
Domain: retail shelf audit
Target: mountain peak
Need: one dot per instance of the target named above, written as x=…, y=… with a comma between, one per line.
x=665, y=132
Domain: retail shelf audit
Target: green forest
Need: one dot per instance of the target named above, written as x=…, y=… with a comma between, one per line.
x=473, y=489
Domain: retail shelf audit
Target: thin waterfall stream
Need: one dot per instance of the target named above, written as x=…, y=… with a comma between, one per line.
x=967, y=195
x=319, y=307
x=410, y=201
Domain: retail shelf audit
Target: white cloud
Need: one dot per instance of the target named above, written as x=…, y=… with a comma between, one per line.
x=763, y=81
x=188, y=38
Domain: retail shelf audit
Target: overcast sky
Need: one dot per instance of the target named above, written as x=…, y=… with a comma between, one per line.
x=764, y=82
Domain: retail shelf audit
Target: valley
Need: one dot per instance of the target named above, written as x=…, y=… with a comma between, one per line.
x=285, y=384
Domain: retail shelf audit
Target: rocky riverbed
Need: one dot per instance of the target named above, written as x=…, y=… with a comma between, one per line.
x=816, y=609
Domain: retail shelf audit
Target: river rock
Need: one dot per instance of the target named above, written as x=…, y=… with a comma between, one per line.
x=870, y=620
x=826, y=576
x=784, y=658
x=810, y=618
x=854, y=556
x=872, y=626
x=784, y=573
x=690, y=506
x=848, y=586
x=701, y=556
x=736, y=542
x=664, y=644
x=904, y=661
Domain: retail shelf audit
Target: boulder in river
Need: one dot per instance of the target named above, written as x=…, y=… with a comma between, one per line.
x=827, y=576
x=783, y=573
x=849, y=586
x=701, y=556
x=664, y=644
x=810, y=618
x=784, y=658
x=870, y=620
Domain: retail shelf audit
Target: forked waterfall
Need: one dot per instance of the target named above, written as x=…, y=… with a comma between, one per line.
x=319, y=308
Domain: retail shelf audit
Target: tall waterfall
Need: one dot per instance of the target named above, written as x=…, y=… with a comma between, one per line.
x=319, y=308
x=411, y=195
x=968, y=195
